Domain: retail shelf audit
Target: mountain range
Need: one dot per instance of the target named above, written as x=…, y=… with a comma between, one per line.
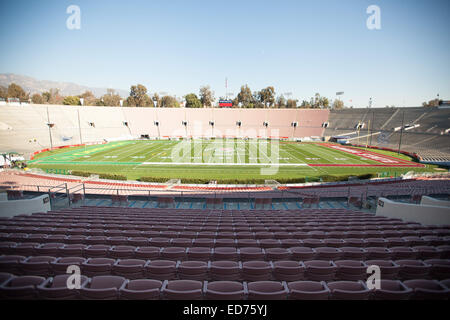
x=33, y=85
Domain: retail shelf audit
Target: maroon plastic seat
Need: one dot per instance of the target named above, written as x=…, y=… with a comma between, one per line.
x=122, y=252
x=225, y=271
x=427, y=252
x=224, y=290
x=72, y=250
x=61, y=264
x=313, y=243
x=414, y=241
x=141, y=289
x=320, y=270
x=274, y=254
x=25, y=249
x=96, y=251
x=391, y=290
x=350, y=270
x=147, y=253
x=413, y=269
x=138, y=241
x=289, y=270
x=225, y=253
x=10, y=263
x=159, y=242
x=7, y=247
x=117, y=241
x=37, y=266
x=348, y=290
x=427, y=289
x=183, y=290
x=440, y=268
x=193, y=270
x=333, y=242
x=75, y=239
x=256, y=270
x=396, y=242
x=269, y=243
x=246, y=243
x=225, y=242
x=56, y=288
x=308, y=290
x=328, y=253
x=388, y=268
x=129, y=268
x=198, y=253
x=20, y=288
x=353, y=253
x=378, y=253
x=161, y=270
x=182, y=242
x=102, y=288
x=251, y=253
x=354, y=242
x=173, y=253
x=302, y=253
x=400, y=253
x=288, y=243
x=93, y=240
x=97, y=267
x=266, y=290
x=203, y=242
x=376, y=242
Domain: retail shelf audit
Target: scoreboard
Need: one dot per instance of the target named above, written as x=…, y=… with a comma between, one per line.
x=225, y=103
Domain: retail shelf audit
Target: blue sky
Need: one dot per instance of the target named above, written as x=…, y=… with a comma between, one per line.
x=172, y=46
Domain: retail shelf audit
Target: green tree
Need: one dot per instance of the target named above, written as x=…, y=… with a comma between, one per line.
x=338, y=104
x=305, y=104
x=53, y=97
x=111, y=99
x=324, y=102
x=192, y=101
x=3, y=92
x=138, y=97
x=281, y=102
x=206, y=96
x=432, y=103
x=71, y=100
x=37, y=99
x=169, y=102
x=245, y=97
x=291, y=103
x=267, y=96
x=88, y=98
x=16, y=91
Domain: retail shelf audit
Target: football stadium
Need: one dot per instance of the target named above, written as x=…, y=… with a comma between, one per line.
x=244, y=197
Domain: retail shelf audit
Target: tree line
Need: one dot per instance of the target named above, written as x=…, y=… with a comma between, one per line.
x=139, y=97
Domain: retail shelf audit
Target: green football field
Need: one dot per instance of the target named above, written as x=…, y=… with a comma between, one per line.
x=231, y=160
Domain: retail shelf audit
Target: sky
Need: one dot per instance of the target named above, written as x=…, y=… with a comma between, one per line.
x=176, y=46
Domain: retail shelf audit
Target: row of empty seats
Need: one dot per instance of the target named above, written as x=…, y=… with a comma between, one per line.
x=310, y=248
x=116, y=287
x=254, y=270
x=245, y=252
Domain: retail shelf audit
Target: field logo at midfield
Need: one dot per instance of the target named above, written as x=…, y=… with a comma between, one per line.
x=229, y=151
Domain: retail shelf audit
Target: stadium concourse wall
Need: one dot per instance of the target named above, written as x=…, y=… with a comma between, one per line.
x=24, y=129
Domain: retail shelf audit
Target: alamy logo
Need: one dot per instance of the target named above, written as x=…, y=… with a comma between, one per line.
x=374, y=20
x=73, y=22
x=74, y=280
x=373, y=281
